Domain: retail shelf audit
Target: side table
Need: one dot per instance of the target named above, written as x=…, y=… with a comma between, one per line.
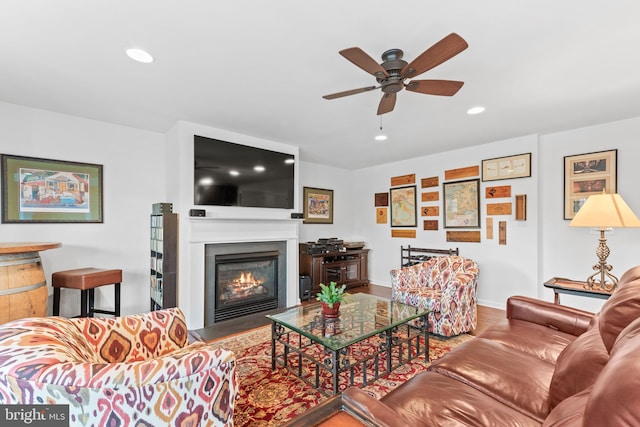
x=573, y=287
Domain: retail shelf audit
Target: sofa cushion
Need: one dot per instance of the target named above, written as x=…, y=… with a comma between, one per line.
x=570, y=412
x=442, y=401
x=615, y=398
x=512, y=377
x=621, y=308
x=532, y=338
x=579, y=365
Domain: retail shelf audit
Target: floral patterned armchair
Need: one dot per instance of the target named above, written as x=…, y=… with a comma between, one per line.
x=132, y=370
x=446, y=285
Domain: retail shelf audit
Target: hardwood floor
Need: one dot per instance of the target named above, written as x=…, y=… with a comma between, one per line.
x=486, y=317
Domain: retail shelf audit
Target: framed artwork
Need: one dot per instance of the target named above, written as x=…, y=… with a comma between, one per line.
x=403, y=206
x=518, y=166
x=38, y=190
x=587, y=174
x=318, y=206
x=462, y=204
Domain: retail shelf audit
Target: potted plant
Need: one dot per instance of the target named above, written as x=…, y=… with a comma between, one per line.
x=331, y=296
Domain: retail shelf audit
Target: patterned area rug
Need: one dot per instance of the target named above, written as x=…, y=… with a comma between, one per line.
x=271, y=398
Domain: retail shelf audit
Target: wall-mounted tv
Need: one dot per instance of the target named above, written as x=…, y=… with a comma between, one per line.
x=229, y=174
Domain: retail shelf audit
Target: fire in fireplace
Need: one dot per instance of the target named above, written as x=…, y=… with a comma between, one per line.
x=245, y=283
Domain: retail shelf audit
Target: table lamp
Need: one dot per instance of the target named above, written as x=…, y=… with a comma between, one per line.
x=604, y=211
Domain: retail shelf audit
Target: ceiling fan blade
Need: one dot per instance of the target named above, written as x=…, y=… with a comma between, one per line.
x=349, y=92
x=361, y=59
x=435, y=87
x=387, y=103
x=440, y=52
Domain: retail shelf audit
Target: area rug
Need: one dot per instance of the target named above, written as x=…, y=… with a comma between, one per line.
x=271, y=398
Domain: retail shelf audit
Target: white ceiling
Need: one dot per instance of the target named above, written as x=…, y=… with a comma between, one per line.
x=261, y=67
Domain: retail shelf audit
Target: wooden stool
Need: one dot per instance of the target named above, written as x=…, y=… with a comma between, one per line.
x=86, y=279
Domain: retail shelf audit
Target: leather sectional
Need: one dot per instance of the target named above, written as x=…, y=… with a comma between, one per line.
x=544, y=365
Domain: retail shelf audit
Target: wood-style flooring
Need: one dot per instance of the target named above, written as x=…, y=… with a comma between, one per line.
x=486, y=317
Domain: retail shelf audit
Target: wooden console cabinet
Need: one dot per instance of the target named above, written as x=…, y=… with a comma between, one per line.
x=348, y=267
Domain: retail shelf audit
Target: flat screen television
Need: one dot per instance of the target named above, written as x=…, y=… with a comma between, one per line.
x=229, y=174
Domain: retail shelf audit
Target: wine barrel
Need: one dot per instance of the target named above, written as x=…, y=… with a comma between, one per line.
x=23, y=287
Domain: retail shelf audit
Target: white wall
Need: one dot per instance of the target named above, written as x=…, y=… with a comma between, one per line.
x=345, y=211
x=133, y=167
x=504, y=269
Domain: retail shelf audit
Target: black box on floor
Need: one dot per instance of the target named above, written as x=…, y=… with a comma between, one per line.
x=305, y=288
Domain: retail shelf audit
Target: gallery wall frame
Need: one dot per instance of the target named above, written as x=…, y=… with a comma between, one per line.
x=461, y=204
x=403, y=206
x=508, y=167
x=318, y=205
x=587, y=174
x=37, y=190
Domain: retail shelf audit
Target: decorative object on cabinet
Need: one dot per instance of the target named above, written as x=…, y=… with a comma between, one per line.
x=461, y=204
x=349, y=267
x=499, y=208
x=518, y=166
x=406, y=234
x=463, y=236
x=521, y=207
x=381, y=215
x=604, y=211
x=587, y=174
x=318, y=206
x=49, y=191
x=461, y=172
x=497, y=191
x=381, y=199
x=429, y=182
x=403, y=206
x=164, y=257
x=403, y=180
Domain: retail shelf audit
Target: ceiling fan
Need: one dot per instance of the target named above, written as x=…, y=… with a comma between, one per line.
x=393, y=71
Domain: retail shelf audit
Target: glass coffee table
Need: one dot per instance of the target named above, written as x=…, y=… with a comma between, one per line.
x=371, y=337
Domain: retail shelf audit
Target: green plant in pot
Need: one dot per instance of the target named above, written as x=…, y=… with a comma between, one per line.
x=331, y=296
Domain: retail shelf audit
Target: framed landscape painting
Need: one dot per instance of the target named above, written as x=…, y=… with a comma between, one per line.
x=403, y=207
x=44, y=190
x=587, y=174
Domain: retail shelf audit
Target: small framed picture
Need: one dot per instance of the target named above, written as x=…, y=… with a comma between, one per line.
x=462, y=204
x=318, y=206
x=587, y=174
x=518, y=166
x=403, y=206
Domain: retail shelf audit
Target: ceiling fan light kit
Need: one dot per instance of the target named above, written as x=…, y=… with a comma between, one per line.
x=393, y=71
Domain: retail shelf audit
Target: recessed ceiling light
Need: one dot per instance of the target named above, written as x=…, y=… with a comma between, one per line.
x=380, y=137
x=139, y=55
x=475, y=110
x=234, y=173
x=258, y=168
x=289, y=161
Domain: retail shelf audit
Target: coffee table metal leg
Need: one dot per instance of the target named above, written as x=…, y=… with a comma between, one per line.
x=273, y=345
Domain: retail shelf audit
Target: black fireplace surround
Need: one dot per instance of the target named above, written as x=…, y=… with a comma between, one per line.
x=243, y=278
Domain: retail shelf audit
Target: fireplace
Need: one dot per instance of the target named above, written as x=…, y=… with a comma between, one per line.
x=245, y=283
x=243, y=279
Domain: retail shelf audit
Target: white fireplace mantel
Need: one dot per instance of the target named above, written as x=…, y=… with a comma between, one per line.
x=196, y=232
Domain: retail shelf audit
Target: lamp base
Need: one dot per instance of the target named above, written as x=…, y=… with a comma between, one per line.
x=607, y=281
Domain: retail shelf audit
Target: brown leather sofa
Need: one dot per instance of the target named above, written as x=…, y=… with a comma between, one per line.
x=544, y=365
